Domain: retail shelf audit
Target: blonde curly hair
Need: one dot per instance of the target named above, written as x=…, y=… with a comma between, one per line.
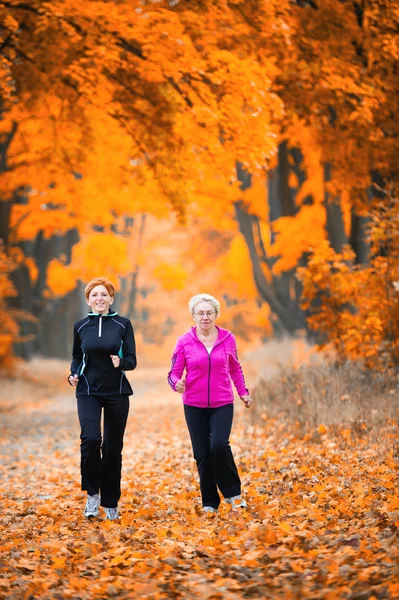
x=204, y=298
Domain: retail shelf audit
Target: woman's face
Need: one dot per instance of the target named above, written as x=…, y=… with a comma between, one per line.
x=99, y=299
x=204, y=315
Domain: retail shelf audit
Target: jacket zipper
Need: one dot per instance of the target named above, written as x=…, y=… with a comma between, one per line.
x=100, y=325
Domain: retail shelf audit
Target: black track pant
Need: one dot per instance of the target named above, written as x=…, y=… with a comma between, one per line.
x=210, y=431
x=101, y=464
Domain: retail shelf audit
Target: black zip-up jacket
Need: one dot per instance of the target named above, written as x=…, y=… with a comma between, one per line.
x=95, y=338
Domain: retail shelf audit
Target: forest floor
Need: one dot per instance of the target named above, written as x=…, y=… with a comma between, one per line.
x=322, y=519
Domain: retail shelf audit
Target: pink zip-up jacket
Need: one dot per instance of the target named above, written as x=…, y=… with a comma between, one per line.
x=208, y=376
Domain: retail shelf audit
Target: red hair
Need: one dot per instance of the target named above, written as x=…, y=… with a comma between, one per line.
x=100, y=281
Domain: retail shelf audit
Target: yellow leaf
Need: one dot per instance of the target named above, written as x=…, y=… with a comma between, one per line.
x=285, y=526
x=59, y=562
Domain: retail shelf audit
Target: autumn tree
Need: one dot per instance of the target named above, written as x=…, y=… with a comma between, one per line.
x=339, y=144
x=356, y=308
x=83, y=77
x=109, y=110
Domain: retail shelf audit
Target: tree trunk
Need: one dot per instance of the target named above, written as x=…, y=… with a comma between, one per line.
x=5, y=205
x=335, y=228
x=267, y=291
x=5, y=211
x=286, y=196
x=54, y=317
x=282, y=293
x=56, y=332
x=358, y=238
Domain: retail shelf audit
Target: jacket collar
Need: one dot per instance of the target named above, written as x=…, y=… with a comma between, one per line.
x=108, y=314
x=222, y=334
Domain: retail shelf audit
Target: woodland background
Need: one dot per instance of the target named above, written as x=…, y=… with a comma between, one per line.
x=245, y=148
x=248, y=149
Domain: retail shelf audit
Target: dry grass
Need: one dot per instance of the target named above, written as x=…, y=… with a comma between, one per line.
x=271, y=358
x=323, y=393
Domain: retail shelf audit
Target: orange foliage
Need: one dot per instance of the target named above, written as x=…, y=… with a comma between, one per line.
x=170, y=277
x=124, y=108
x=61, y=278
x=90, y=147
x=356, y=309
x=233, y=264
x=297, y=235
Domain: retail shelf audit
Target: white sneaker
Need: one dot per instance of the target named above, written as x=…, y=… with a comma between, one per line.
x=111, y=514
x=209, y=509
x=236, y=502
x=92, y=506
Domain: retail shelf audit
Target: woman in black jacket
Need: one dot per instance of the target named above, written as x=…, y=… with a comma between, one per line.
x=103, y=348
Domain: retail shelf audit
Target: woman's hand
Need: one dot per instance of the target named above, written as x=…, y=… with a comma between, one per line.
x=247, y=401
x=180, y=385
x=116, y=361
x=73, y=380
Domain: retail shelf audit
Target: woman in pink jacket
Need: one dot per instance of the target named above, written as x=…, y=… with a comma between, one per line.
x=208, y=355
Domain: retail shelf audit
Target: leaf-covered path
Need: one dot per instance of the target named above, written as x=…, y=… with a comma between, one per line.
x=322, y=521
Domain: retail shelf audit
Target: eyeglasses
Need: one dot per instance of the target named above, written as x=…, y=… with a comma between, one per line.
x=201, y=313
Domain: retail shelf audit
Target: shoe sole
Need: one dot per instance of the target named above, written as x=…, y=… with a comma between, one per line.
x=237, y=506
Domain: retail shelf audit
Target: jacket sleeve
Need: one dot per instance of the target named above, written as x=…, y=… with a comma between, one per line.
x=128, y=358
x=178, y=365
x=77, y=354
x=235, y=370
